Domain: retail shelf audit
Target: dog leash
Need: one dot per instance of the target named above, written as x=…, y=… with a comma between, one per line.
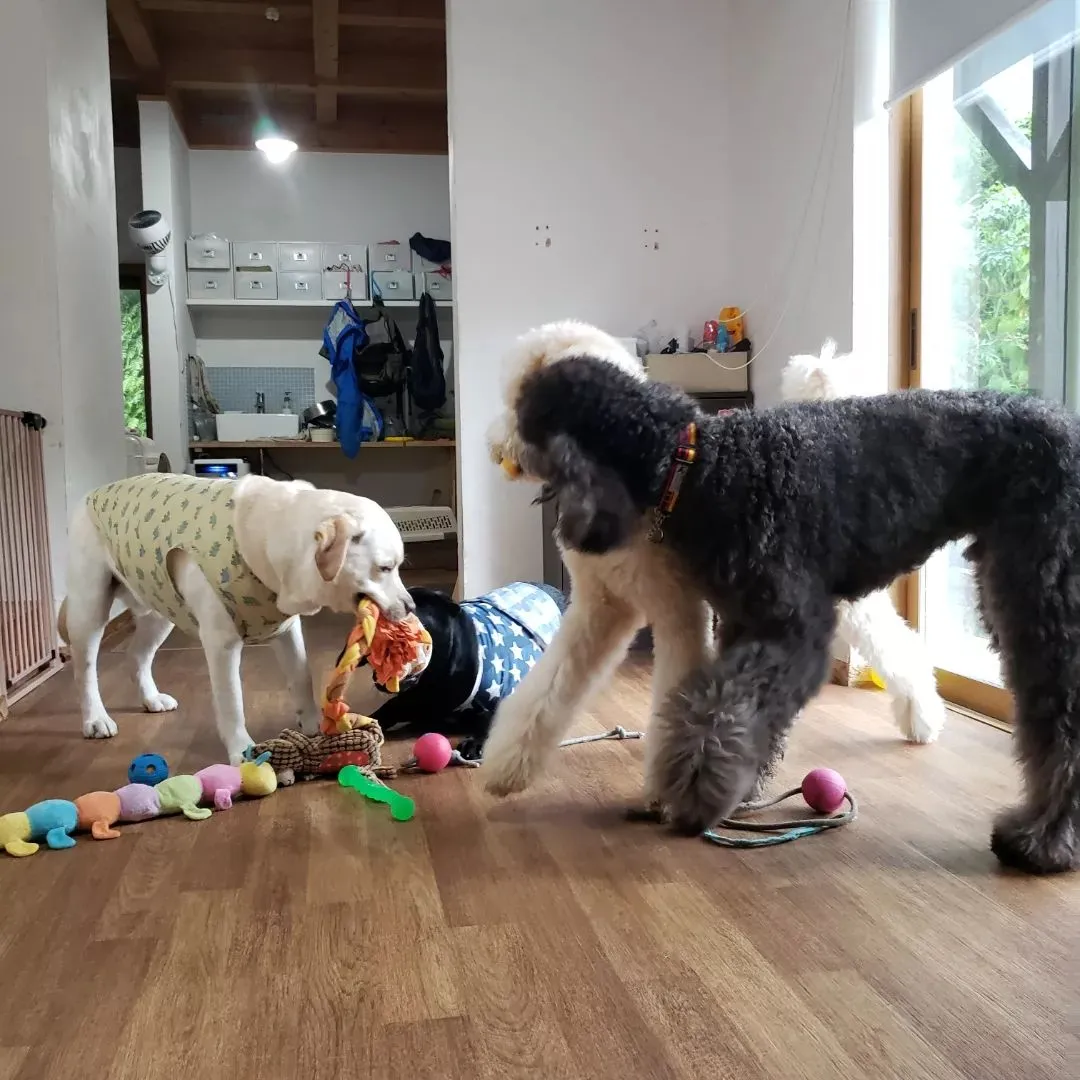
x=777, y=832
x=684, y=456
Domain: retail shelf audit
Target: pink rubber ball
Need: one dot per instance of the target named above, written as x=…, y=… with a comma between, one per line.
x=824, y=790
x=432, y=752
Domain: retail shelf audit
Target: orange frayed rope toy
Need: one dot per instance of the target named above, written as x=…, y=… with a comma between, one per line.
x=395, y=650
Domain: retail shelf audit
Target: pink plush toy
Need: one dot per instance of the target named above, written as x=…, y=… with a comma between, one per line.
x=222, y=783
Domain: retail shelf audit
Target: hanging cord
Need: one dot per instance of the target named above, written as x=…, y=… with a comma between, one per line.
x=829, y=138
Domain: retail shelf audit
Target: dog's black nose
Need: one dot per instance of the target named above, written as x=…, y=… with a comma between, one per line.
x=410, y=604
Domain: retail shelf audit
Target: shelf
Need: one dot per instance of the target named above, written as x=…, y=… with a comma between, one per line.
x=304, y=444
x=433, y=578
x=286, y=305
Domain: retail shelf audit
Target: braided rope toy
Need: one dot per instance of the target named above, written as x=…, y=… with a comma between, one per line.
x=393, y=649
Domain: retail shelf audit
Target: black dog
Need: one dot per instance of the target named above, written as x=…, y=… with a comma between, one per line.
x=784, y=511
x=443, y=697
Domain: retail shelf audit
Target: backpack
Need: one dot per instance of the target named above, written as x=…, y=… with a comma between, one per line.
x=427, y=380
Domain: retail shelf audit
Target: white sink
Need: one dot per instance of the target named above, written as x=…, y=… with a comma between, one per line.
x=246, y=427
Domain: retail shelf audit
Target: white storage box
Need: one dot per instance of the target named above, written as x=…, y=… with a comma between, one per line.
x=393, y=284
x=438, y=284
x=416, y=523
x=700, y=372
x=298, y=257
x=210, y=285
x=254, y=255
x=299, y=285
x=391, y=254
x=334, y=284
x=207, y=252
x=255, y=285
x=345, y=256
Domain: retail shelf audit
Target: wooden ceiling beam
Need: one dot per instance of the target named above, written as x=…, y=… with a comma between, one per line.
x=377, y=77
x=130, y=24
x=365, y=15
x=324, y=34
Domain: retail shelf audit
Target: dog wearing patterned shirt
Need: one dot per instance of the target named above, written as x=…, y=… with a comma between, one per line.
x=481, y=650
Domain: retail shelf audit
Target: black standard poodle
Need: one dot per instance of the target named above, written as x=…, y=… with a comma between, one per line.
x=774, y=516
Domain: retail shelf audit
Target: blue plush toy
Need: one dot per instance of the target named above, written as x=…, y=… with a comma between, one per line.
x=148, y=769
x=53, y=821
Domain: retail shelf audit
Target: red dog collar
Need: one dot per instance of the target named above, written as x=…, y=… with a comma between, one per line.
x=684, y=456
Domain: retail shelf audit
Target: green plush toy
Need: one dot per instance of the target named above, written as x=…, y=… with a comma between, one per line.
x=181, y=795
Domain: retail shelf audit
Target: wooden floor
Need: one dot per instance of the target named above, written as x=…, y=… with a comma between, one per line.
x=308, y=935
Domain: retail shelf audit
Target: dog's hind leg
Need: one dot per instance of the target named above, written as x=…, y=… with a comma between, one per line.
x=874, y=628
x=727, y=722
x=91, y=588
x=151, y=630
x=593, y=639
x=1032, y=602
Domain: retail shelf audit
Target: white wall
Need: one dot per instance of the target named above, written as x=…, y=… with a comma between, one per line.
x=795, y=241
x=171, y=338
x=324, y=197
x=59, y=315
x=587, y=138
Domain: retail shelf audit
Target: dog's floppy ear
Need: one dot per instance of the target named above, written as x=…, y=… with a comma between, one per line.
x=331, y=543
x=596, y=512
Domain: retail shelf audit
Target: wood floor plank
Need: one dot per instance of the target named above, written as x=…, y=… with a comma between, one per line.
x=308, y=934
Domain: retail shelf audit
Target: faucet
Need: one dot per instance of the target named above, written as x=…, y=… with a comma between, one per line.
x=260, y=402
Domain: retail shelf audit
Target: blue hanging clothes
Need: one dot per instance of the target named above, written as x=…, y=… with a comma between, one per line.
x=358, y=419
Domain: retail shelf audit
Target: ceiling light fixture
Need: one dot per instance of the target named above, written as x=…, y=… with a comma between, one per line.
x=276, y=148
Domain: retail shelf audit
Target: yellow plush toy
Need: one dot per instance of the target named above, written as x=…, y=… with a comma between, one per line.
x=15, y=835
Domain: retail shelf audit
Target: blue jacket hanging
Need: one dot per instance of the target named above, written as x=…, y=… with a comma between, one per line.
x=343, y=335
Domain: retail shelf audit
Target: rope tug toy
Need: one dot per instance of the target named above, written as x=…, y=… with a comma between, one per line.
x=824, y=791
x=395, y=650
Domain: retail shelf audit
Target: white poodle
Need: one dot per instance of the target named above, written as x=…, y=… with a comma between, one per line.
x=871, y=626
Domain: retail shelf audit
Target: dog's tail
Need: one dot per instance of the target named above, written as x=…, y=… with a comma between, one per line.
x=708, y=750
x=61, y=622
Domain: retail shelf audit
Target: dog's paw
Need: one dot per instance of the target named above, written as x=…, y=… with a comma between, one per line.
x=919, y=720
x=1028, y=843
x=160, y=703
x=99, y=725
x=308, y=720
x=236, y=749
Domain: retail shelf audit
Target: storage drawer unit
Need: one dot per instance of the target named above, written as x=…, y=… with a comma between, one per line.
x=207, y=253
x=298, y=258
x=255, y=285
x=210, y=285
x=391, y=255
x=438, y=284
x=334, y=285
x=254, y=254
x=393, y=284
x=299, y=285
x=342, y=256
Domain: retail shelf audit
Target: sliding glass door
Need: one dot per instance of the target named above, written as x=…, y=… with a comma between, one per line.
x=990, y=263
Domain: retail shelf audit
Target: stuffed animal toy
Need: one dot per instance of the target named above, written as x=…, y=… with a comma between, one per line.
x=294, y=754
x=181, y=795
x=222, y=783
x=393, y=649
x=138, y=802
x=98, y=812
x=53, y=821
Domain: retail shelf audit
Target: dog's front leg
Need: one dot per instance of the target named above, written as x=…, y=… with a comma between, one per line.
x=682, y=643
x=292, y=655
x=593, y=639
x=724, y=724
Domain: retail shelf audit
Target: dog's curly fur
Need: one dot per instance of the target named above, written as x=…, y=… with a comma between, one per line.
x=785, y=512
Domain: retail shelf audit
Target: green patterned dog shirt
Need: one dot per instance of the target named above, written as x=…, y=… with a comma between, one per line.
x=143, y=518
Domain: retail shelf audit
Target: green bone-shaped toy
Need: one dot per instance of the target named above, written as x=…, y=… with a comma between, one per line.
x=402, y=807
